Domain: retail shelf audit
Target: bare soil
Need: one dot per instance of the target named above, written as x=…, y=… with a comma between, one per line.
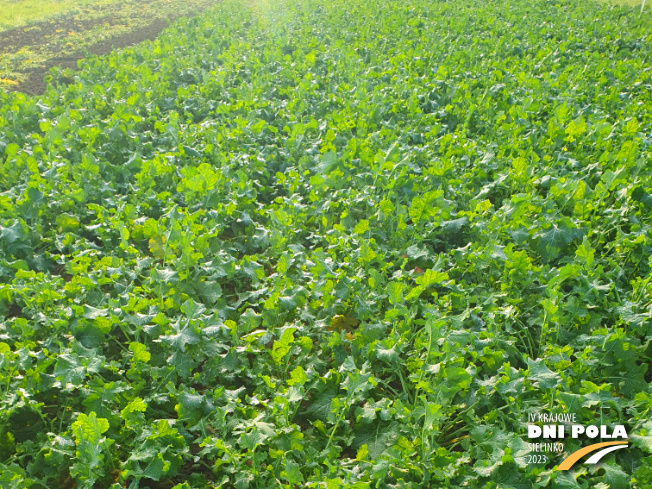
x=21, y=37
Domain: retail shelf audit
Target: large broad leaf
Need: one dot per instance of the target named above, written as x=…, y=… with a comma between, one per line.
x=292, y=473
x=357, y=384
x=395, y=292
x=490, y=444
x=552, y=241
x=182, y=334
x=319, y=406
x=378, y=437
x=540, y=373
x=508, y=476
x=71, y=368
x=13, y=232
x=327, y=164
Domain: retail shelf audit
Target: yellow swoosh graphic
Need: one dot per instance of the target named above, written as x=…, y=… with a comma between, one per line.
x=575, y=456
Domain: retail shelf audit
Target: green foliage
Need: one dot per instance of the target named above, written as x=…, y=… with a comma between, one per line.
x=87, y=432
x=331, y=244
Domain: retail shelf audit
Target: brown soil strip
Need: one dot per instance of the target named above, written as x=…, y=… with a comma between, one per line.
x=22, y=37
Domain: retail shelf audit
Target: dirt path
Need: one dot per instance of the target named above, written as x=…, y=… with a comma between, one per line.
x=21, y=37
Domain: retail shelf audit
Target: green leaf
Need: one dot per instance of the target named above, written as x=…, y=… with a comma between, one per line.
x=93, y=313
x=614, y=475
x=282, y=346
x=552, y=241
x=386, y=207
x=539, y=372
x=378, y=437
x=327, y=163
x=395, y=292
x=291, y=473
x=71, y=369
x=362, y=227
x=87, y=432
x=431, y=277
x=13, y=232
x=298, y=376
x=358, y=383
x=192, y=309
x=140, y=352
